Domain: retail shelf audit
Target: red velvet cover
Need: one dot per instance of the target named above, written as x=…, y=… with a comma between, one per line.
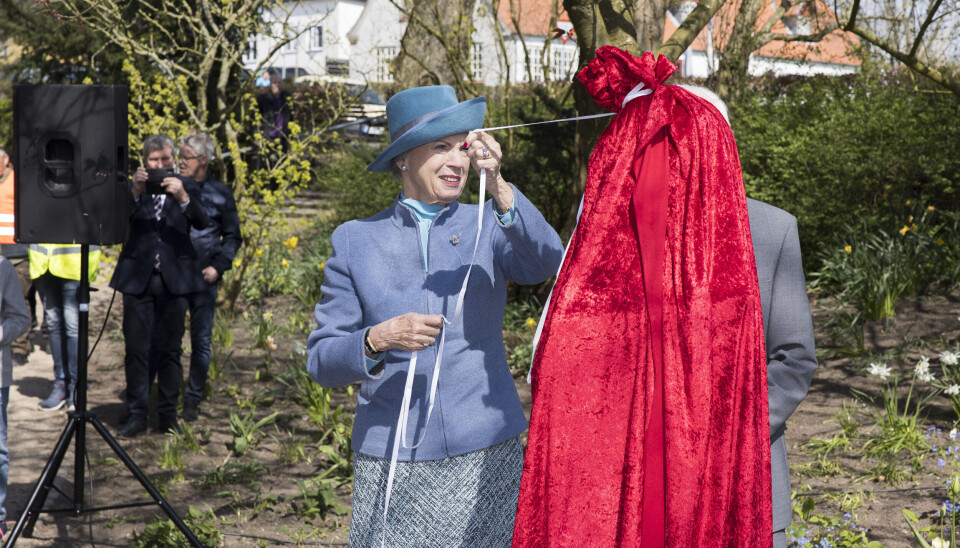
x=649, y=423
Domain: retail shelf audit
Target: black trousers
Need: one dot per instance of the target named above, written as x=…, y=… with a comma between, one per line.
x=140, y=312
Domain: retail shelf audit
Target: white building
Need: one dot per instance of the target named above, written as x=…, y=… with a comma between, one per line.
x=358, y=40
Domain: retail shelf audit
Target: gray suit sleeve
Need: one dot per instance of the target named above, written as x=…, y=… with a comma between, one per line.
x=791, y=358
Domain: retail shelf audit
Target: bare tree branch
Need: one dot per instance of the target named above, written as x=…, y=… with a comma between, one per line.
x=688, y=30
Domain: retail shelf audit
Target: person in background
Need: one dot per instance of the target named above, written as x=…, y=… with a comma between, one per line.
x=216, y=246
x=14, y=322
x=156, y=271
x=15, y=253
x=55, y=271
x=263, y=80
x=276, y=111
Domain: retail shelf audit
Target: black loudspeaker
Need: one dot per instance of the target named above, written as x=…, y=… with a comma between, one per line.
x=70, y=163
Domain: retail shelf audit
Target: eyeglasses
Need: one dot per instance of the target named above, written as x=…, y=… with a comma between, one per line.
x=188, y=158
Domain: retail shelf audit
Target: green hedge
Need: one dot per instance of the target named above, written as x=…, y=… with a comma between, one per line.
x=841, y=150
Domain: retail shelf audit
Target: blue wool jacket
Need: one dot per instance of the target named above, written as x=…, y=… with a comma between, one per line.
x=376, y=272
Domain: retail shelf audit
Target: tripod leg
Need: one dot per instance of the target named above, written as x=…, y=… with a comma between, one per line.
x=28, y=519
x=144, y=481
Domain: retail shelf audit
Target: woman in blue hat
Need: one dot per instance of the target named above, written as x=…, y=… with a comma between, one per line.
x=392, y=283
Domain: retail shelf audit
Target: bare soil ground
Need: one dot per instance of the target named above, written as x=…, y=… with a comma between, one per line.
x=250, y=517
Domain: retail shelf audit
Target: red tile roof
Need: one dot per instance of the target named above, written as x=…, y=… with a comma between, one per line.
x=533, y=16
x=836, y=47
x=533, y=19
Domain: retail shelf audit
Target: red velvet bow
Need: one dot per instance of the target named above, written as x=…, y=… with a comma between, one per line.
x=611, y=75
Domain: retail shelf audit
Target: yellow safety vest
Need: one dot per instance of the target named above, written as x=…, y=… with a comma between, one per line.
x=62, y=260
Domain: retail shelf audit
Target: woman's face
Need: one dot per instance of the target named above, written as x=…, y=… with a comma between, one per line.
x=436, y=171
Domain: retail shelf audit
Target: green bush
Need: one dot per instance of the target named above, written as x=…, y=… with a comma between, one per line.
x=838, y=150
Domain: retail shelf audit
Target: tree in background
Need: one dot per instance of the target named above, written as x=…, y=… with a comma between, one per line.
x=76, y=52
x=921, y=34
x=435, y=48
x=192, y=47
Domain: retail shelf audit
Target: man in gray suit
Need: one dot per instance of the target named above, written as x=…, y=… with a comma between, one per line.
x=787, y=328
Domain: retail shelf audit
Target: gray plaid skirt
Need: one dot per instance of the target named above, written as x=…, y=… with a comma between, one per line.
x=467, y=500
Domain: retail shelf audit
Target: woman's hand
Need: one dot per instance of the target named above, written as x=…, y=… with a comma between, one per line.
x=484, y=152
x=410, y=332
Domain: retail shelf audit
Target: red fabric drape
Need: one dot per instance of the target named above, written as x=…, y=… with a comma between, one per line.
x=649, y=424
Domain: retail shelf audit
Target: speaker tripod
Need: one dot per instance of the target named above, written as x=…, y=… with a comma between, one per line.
x=76, y=427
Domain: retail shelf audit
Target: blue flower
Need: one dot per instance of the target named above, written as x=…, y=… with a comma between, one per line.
x=941, y=462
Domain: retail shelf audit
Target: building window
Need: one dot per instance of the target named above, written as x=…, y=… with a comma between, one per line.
x=561, y=63
x=251, y=53
x=316, y=38
x=534, y=59
x=385, y=57
x=476, y=62
x=338, y=67
x=291, y=44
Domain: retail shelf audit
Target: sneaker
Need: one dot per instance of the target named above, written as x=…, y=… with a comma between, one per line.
x=3, y=530
x=191, y=410
x=56, y=399
x=70, y=406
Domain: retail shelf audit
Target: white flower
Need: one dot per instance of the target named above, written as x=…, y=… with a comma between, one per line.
x=926, y=376
x=940, y=543
x=923, y=366
x=879, y=369
x=948, y=358
x=954, y=433
x=952, y=390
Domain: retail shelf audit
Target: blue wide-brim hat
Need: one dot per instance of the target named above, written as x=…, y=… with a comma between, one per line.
x=418, y=116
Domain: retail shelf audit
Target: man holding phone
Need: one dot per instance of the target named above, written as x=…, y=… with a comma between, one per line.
x=156, y=271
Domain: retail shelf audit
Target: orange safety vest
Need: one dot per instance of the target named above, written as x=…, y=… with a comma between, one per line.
x=6, y=209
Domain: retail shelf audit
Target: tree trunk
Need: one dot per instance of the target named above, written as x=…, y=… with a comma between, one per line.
x=729, y=80
x=648, y=23
x=435, y=48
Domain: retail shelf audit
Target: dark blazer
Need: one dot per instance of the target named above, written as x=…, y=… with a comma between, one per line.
x=217, y=244
x=788, y=330
x=180, y=265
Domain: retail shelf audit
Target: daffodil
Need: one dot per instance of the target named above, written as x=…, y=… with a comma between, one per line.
x=848, y=249
x=291, y=242
x=271, y=346
x=930, y=208
x=258, y=253
x=913, y=227
x=245, y=315
x=881, y=370
x=904, y=230
x=907, y=202
x=321, y=265
x=236, y=263
x=284, y=263
x=948, y=358
x=940, y=241
x=531, y=322
x=910, y=219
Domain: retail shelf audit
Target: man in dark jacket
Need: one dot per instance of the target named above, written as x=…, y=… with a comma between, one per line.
x=156, y=271
x=216, y=245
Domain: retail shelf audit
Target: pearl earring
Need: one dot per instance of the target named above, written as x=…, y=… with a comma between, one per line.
x=403, y=168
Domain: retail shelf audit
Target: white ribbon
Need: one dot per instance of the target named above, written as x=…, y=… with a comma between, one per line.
x=402, y=422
